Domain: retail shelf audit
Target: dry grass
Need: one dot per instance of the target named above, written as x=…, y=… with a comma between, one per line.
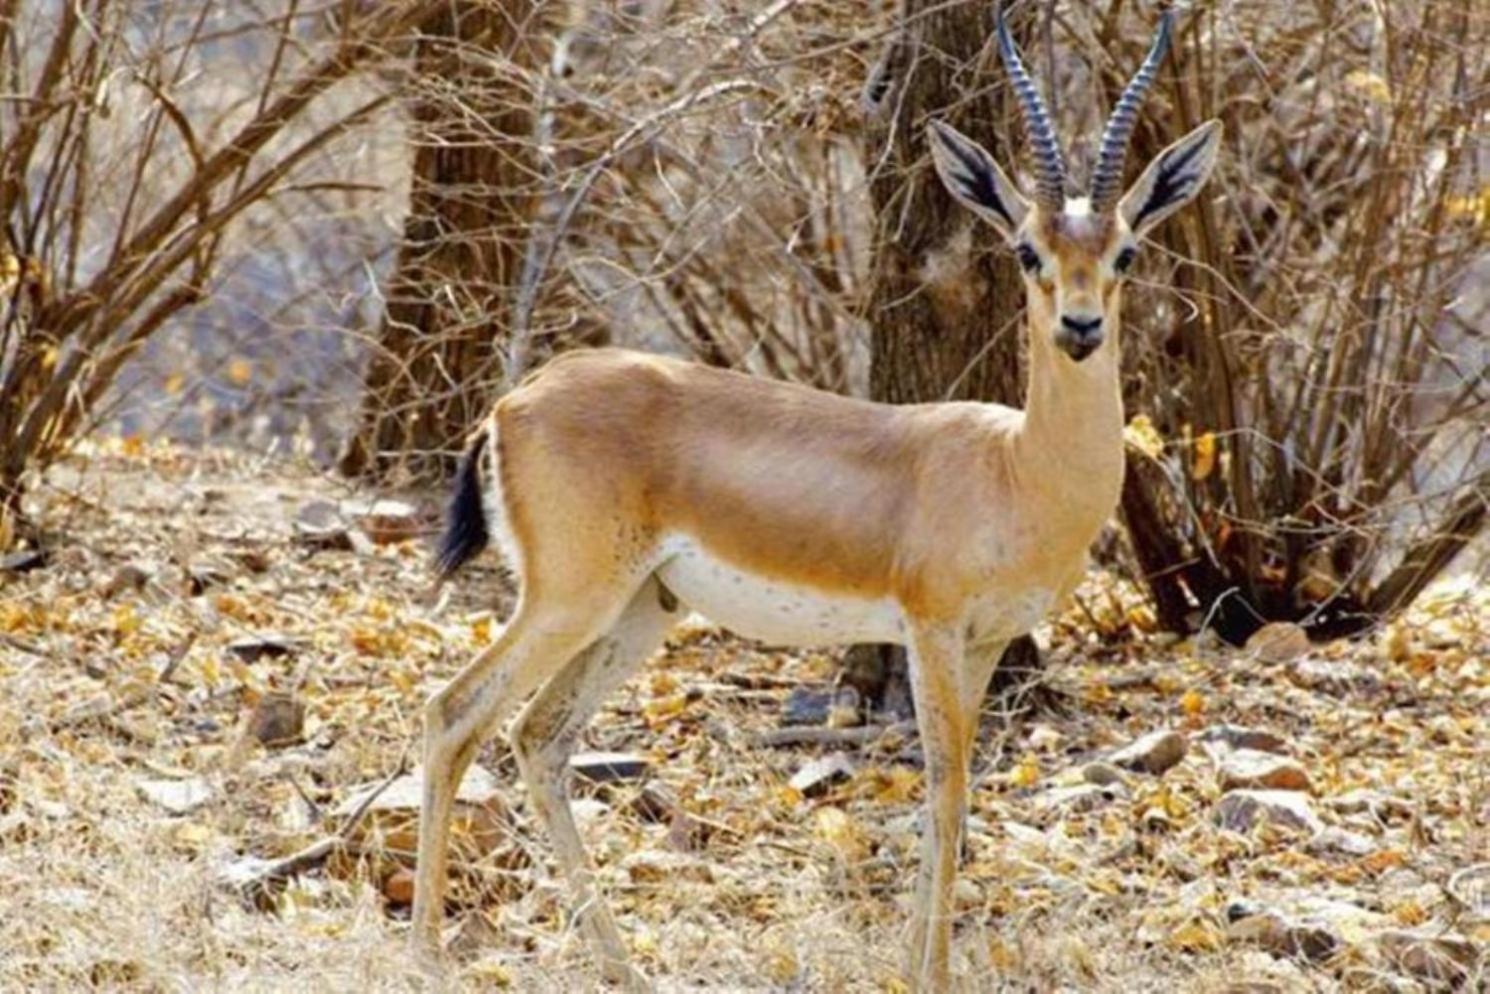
x=101, y=889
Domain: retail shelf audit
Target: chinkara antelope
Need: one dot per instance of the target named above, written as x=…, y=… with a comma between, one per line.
x=625, y=487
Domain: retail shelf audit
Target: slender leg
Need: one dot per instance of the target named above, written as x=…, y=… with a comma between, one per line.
x=936, y=671
x=982, y=659
x=543, y=738
x=535, y=644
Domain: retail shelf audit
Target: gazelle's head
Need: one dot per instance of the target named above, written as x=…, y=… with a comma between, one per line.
x=1076, y=251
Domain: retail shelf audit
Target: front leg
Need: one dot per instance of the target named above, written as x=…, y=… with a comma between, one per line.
x=936, y=671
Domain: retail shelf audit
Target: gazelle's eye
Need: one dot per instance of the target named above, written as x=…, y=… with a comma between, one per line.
x=1124, y=259
x=1027, y=258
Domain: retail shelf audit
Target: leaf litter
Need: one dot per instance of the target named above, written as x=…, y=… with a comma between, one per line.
x=202, y=682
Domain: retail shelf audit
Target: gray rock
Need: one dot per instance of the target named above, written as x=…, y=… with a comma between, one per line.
x=1154, y=753
x=818, y=776
x=1249, y=768
x=1242, y=810
x=609, y=767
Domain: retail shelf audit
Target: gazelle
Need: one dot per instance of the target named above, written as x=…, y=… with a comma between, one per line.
x=621, y=486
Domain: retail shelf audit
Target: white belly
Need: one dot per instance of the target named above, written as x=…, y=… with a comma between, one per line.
x=770, y=610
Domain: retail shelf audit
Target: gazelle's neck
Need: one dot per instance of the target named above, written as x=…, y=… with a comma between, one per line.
x=1071, y=440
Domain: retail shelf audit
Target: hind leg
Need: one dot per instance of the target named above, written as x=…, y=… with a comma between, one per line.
x=536, y=644
x=543, y=738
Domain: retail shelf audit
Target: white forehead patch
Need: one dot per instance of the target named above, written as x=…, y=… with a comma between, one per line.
x=1079, y=206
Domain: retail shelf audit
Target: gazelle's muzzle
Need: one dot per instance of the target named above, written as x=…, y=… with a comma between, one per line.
x=1079, y=337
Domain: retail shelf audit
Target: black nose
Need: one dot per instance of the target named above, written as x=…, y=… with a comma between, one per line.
x=1079, y=337
x=1082, y=326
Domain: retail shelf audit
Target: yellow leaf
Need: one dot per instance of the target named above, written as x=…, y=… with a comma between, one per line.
x=125, y=620
x=661, y=708
x=1196, y=936
x=1139, y=433
x=663, y=684
x=1205, y=456
x=481, y=630
x=175, y=383
x=1193, y=703
x=240, y=371
x=1026, y=772
x=1369, y=85
x=835, y=827
x=132, y=446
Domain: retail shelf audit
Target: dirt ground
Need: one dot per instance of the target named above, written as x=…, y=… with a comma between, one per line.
x=185, y=618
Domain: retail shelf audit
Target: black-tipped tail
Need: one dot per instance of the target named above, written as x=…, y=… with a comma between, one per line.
x=465, y=520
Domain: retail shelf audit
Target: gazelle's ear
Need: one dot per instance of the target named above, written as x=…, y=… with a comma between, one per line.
x=1173, y=179
x=975, y=180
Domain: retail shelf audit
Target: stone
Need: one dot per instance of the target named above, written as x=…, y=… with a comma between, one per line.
x=277, y=719
x=1241, y=737
x=1430, y=954
x=818, y=776
x=1154, y=753
x=609, y=767
x=265, y=645
x=1278, y=642
x=318, y=525
x=399, y=887
x=1306, y=938
x=386, y=522
x=1249, y=768
x=1334, y=677
x=480, y=822
x=1103, y=774
x=1340, y=842
x=23, y=562
x=807, y=706
x=179, y=797
x=1082, y=798
x=1242, y=810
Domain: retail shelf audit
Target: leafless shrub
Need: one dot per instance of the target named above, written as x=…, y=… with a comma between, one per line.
x=123, y=169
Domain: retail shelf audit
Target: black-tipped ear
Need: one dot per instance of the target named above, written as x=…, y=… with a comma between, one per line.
x=975, y=180
x=1173, y=179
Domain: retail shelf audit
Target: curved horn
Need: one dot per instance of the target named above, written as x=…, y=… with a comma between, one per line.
x=1107, y=177
x=1050, y=179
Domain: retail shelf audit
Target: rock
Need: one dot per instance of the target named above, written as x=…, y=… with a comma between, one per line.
x=1278, y=642
x=1435, y=955
x=24, y=561
x=1082, y=798
x=1239, y=737
x=1103, y=774
x=1334, y=677
x=609, y=767
x=1249, y=768
x=1154, y=753
x=399, y=887
x=385, y=521
x=277, y=719
x=807, y=706
x=1471, y=888
x=1308, y=938
x=265, y=645
x=318, y=525
x=1382, y=807
x=179, y=797
x=128, y=577
x=817, y=776
x=480, y=821
x=1242, y=810
x=1339, y=842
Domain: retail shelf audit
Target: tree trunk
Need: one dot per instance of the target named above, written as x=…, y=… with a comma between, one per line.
x=441, y=345
x=945, y=309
